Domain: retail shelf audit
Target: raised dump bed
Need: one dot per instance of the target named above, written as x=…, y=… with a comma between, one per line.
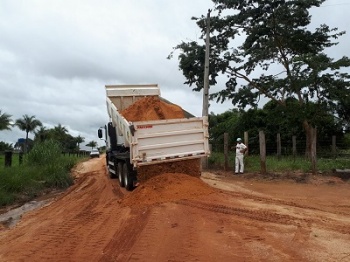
x=165, y=132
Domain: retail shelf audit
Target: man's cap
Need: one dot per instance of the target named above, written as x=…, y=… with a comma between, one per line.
x=239, y=139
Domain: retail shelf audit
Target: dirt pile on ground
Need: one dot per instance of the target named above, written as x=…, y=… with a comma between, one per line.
x=165, y=188
x=152, y=108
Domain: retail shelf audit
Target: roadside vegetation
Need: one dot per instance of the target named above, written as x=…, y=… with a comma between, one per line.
x=44, y=168
x=46, y=161
x=280, y=165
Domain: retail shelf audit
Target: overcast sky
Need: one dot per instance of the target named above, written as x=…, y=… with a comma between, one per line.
x=56, y=56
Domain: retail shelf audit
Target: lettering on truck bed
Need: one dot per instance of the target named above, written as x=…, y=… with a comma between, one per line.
x=144, y=126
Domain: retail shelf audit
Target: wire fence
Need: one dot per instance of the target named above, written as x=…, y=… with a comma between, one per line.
x=326, y=148
x=13, y=158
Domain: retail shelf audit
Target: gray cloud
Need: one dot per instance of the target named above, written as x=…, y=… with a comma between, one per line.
x=56, y=56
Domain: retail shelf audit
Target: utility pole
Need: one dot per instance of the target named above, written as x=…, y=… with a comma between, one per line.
x=206, y=70
x=206, y=82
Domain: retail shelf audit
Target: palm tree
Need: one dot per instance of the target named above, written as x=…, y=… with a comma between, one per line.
x=60, y=134
x=5, y=121
x=79, y=140
x=41, y=134
x=92, y=144
x=60, y=130
x=27, y=124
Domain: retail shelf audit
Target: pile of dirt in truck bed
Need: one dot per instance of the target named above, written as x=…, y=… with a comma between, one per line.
x=152, y=108
x=167, y=187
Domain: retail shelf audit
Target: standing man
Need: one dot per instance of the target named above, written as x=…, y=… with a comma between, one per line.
x=239, y=161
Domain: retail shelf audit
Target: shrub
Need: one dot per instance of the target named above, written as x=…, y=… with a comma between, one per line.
x=44, y=167
x=44, y=153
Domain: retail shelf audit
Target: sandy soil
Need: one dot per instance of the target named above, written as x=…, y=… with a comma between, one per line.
x=175, y=217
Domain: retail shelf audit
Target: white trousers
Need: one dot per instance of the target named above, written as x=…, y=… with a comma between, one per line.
x=239, y=164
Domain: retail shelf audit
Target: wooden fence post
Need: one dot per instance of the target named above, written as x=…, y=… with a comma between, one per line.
x=246, y=140
x=262, y=152
x=334, y=147
x=294, y=142
x=226, y=146
x=8, y=158
x=278, y=146
x=20, y=158
x=313, y=150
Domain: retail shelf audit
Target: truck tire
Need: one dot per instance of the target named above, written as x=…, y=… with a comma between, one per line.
x=120, y=174
x=111, y=175
x=115, y=167
x=128, y=178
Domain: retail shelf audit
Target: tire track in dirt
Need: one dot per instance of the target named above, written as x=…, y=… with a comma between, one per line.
x=149, y=226
x=326, y=219
x=237, y=190
x=72, y=228
x=270, y=216
x=259, y=215
x=268, y=200
x=124, y=238
x=176, y=233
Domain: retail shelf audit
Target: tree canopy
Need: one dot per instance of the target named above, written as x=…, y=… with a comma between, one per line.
x=273, y=119
x=92, y=144
x=27, y=124
x=280, y=56
x=5, y=121
x=60, y=134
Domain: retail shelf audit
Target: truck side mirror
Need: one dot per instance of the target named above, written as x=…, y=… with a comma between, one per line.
x=99, y=133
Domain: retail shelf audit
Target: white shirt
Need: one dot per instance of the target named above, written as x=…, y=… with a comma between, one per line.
x=240, y=147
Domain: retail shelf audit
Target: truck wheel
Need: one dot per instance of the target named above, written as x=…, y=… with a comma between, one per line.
x=129, y=182
x=115, y=167
x=120, y=174
x=111, y=175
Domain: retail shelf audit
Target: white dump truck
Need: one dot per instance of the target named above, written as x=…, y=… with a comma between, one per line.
x=131, y=145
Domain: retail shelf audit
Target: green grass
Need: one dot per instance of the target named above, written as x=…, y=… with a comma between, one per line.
x=15, y=160
x=43, y=168
x=284, y=164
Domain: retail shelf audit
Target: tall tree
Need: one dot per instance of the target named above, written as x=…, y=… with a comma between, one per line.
x=5, y=121
x=41, y=134
x=27, y=124
x=222, y=123
x=280, y=57
x=59, y=133
x=79, y=139
x=342, y=109
x=92, y=144
x=5, y=146
x=60, y=130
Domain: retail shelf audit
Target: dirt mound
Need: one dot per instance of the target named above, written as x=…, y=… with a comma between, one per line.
x=167, y=187
x=152, y=108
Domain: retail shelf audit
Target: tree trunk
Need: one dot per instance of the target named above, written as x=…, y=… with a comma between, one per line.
x=226, y=151
x=313, y=150
x=26, y=144
x=308, y=133
x=262, y=144
x=278, y=139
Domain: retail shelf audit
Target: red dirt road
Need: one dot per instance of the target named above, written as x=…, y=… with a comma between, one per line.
x=182, y=218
